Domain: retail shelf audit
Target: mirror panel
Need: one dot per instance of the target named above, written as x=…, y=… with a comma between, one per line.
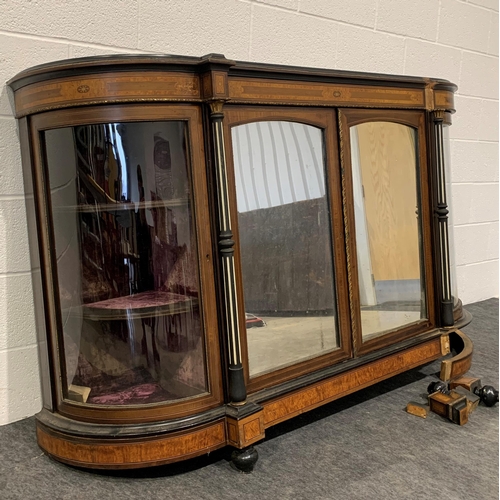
x=388, y=233
x=285, y=243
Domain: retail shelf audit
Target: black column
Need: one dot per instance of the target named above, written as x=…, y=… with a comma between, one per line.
x=237, y=389
x=441, y=215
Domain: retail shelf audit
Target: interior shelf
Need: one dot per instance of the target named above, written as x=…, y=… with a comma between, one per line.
x=140, y=305
x=128, y=205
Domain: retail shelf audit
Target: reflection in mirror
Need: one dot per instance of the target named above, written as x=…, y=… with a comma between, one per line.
x=388, y=237
x=285, y=243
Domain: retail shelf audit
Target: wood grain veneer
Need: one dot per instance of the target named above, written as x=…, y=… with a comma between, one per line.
x=242, y=90
x=288, y=406
x=460, y=364
x=106, y=88
x=131, y=453
x=246, y=431
x=445, y=100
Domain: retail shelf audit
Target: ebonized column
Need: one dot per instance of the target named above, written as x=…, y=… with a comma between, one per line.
x=237, y=389
x=441, y=215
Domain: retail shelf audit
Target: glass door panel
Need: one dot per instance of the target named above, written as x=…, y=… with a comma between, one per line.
x=285, y=243
x=126, y=252
x=451, y=227
x=388, y=232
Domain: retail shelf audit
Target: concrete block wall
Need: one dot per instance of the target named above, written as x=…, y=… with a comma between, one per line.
x=452, y=39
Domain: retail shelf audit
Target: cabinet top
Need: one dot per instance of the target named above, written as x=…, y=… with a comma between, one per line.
x=213, y=77
x=134, y=62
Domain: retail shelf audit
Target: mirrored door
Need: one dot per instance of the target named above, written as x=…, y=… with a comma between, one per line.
x=385, y=165
x=286, y=247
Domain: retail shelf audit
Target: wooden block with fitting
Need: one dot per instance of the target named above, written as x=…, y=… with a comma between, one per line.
x=450, y=406
x=458, y=411
x=438, y=403
x=469, y=383
x=472, y=399
x=417, y=409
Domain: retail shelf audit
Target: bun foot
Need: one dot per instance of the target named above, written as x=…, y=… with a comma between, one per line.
x=244, y=460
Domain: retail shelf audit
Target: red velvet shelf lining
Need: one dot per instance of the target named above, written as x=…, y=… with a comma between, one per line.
x=140, y=305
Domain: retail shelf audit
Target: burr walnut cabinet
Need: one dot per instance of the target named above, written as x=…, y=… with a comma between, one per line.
x=219, y=246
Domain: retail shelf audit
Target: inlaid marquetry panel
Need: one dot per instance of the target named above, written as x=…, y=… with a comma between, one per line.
x=246, y=431
x=445, y=344
x=150, y=86
x=280, y=92
x=341, y=385
x=215, y=85
x=141, y=452
x=444, y=99
x=460, y=363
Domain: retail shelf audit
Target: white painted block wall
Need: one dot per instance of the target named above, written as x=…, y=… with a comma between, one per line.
x=452, y=39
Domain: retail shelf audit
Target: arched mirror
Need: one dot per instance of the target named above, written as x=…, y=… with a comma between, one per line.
x=384, y=159
x=285, y=243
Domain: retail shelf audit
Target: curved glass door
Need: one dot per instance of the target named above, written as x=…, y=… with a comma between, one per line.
x=126, y=254
x=451, y=226
x=285, y=243
x=385, y=167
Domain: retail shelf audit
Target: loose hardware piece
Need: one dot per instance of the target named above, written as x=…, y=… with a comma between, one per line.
x=472, y=399
x=487, y=393
x=450, y=406
x=456, y=400
x=417, y=409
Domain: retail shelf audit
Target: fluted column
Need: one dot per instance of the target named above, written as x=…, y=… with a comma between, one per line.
x=237, y=389
x=441, y=216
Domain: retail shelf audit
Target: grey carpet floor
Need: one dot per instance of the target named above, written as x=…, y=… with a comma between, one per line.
x=364, y=446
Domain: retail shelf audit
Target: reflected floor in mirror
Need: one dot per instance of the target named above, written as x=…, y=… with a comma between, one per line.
x=382, y=318
x=378, y=322
x=283, y=341
x=276, y=342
